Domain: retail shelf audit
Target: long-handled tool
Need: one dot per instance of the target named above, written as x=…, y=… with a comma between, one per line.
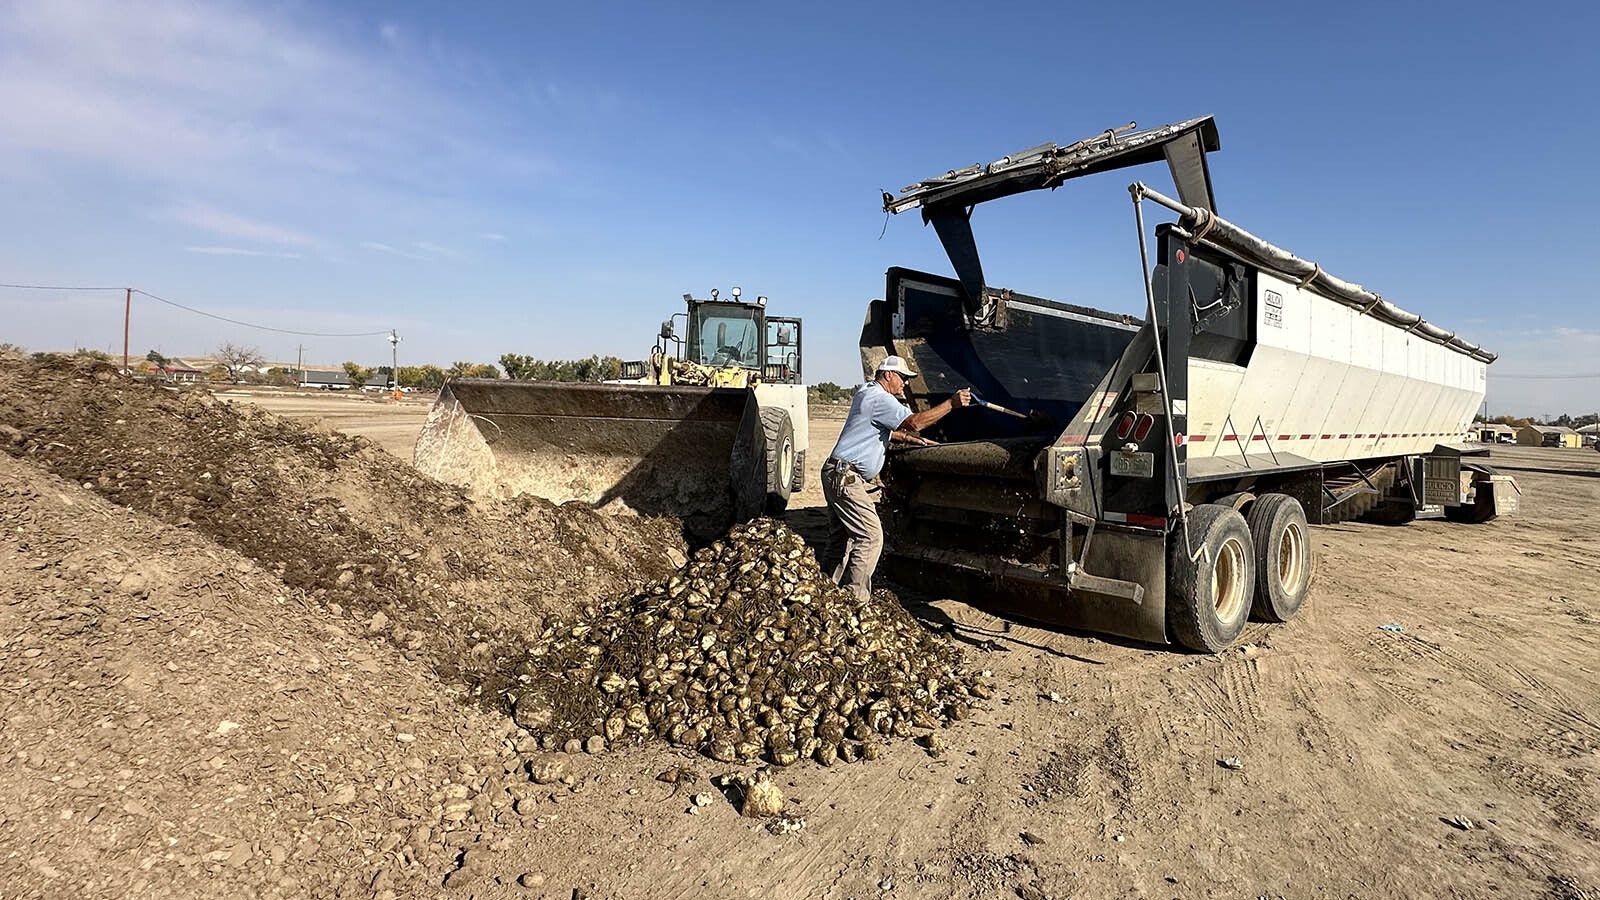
x=1033, y=417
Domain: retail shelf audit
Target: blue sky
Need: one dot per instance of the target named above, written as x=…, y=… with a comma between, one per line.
x=551, y=178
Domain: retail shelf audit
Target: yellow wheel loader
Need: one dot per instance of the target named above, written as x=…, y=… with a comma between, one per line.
x=710, y=429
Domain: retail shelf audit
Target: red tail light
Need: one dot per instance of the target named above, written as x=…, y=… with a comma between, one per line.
x=1125, y=426
x=1143, y=431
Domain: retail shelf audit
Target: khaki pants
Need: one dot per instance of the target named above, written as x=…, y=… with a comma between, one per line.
x=855, y=535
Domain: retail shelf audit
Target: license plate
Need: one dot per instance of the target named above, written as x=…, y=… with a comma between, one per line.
x=1133, y=464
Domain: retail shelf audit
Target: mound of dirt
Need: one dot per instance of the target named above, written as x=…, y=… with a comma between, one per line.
x=177, y=722
x=463, y=584
x=749, y=651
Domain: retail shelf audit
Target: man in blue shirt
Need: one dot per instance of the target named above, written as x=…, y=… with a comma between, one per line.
x=855, y=534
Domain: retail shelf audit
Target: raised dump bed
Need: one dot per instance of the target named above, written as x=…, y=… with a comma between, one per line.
x=1258, y=395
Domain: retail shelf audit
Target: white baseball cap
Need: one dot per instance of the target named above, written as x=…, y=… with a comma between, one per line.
x=896, y=364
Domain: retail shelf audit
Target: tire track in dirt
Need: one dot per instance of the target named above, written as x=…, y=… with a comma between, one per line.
x=1552, y=726
x=1229, y=697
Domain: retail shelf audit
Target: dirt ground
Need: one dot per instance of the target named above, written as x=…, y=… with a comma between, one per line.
x=180, y=720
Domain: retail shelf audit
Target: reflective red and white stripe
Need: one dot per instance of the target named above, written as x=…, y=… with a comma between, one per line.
x=1201, y=438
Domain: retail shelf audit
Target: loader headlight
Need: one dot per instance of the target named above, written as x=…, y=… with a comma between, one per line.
x=736, y=293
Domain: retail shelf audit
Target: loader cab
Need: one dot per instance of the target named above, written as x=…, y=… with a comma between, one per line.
x=783, y=351
x=726, y=333
x=733, y=334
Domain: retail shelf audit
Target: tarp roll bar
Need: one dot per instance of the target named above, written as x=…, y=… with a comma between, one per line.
x=1233, y=239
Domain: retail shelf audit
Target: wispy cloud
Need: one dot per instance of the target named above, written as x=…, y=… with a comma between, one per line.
x=492, y=236
x=236, y=99
x=379, y=247
x=240, y=251
x=230, y=225
x=435, y=250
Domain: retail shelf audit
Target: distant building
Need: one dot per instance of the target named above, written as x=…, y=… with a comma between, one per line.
x=177, y=373
x=1548, y=436
x=1492, y=433
x=325, y=379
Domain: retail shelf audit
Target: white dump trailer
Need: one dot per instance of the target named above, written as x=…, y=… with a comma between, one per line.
x=1189, y=450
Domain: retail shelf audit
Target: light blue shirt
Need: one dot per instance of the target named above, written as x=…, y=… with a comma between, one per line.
x=864, y=440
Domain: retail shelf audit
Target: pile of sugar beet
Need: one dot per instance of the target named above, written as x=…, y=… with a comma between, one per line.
x=748, y=652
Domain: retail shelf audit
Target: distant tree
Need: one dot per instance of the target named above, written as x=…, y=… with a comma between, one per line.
x=828, y=392
x=459, y=369
x=529, y=368
x=234, y=358
x=586, y=369
x=358, y=375
x=486, y=370
x=94, y=355
x=156, y=359
x=423, y=378
x=517, y=365
x=280, y=377
x=12, y=351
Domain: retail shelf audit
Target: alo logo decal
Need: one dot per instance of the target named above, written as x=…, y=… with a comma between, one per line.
x=1272, y=312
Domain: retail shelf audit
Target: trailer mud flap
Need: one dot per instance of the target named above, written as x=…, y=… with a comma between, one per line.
x=1105, y=606
x=1134, y=609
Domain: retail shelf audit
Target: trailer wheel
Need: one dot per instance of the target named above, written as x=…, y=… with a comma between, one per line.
x=1283, y=556
x=1209, y=597
x=780, y=459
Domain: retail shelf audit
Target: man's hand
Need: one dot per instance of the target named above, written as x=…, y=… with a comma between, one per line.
x=921, y=420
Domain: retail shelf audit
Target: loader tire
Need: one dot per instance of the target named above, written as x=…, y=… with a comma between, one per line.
x=1209, y=597
x=1284, y=559
x=780, y=459
x=799, y=482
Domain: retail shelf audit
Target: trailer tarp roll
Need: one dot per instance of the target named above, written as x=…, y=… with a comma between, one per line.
x=1230, y=237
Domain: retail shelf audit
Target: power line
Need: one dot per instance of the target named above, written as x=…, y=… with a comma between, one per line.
x=57, y=287
x=202, y=312
x=198, y=312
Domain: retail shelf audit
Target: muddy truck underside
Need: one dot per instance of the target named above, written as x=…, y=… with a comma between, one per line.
x=1189, y=449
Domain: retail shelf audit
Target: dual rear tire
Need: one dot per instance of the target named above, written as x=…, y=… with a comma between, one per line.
x=1234, y=564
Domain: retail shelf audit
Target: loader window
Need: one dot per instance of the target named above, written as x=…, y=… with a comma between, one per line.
x=726, y=335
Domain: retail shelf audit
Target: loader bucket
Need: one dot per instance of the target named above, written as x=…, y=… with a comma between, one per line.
x=693, y=453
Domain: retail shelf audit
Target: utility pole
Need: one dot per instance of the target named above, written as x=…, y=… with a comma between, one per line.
x=300, y=362
x=394, y=361
x=127, y=316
